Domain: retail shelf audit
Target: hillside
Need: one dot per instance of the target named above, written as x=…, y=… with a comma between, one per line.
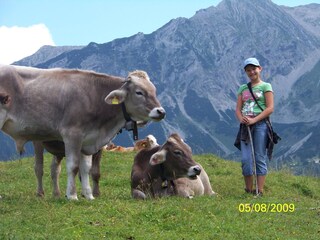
x=114, y=215
x=196, y=65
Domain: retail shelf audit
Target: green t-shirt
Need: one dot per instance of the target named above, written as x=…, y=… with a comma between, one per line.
x=249, y=107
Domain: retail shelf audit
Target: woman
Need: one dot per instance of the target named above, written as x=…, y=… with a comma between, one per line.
x=249, y=114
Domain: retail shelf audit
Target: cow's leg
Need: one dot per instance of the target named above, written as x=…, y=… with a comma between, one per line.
x=55, y=174
x=95, y=173
x=85, y=167
x=72, y=143
x=38, y=166
x=72, y=170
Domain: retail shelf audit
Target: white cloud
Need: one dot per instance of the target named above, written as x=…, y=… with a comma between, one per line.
x=19, y=42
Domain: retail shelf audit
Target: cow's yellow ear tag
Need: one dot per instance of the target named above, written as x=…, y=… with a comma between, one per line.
x=115, y=100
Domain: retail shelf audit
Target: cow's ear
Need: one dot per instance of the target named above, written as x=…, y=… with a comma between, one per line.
x=116, y=97
x=158, y=157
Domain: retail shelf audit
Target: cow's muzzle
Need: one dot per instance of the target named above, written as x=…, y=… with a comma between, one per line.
x=194, y=171
x=157, y=114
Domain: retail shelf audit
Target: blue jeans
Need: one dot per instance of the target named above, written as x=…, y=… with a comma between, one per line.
x=259, y=132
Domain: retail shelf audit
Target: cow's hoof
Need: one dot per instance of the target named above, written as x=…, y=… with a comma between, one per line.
x=87, y=194
x=56, y=194
x=96, y=193
x=213, y=194
x=88, y=197
x=91, y=197
x=40, y=194
x=72, y=197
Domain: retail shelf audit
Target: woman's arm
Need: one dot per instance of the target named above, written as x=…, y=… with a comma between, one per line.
x=239, y=108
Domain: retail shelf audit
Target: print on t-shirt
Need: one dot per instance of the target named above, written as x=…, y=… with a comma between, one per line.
x=249, y=103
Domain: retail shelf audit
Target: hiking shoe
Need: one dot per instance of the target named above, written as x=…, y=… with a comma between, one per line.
x=260, y=194
x=251, y=192
x=247, y=190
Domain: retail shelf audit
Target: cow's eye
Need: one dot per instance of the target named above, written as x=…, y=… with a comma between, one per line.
x=139, y=93
x=177, y=152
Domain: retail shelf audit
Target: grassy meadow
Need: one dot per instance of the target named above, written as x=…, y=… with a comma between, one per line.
x=290, y=208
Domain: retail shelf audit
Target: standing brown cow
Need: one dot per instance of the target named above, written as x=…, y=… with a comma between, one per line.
x=82, y=109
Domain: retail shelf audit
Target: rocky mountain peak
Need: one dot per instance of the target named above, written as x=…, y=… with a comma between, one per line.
x=307, y=16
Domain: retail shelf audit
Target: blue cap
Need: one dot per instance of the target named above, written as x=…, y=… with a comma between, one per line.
x=251, y=61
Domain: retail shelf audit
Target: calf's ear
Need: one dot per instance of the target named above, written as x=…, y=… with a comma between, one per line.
x=116, y=97
x=158, y=157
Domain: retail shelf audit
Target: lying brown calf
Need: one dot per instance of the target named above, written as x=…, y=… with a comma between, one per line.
x=189, y=188
x=154, y=168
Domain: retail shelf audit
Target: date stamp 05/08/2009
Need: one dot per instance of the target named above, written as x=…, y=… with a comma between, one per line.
x=266, y=207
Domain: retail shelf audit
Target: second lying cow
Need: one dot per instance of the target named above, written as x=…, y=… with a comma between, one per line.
x=168, y=170
x=188, y=188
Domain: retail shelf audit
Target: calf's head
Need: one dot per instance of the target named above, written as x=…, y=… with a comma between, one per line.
x=139, y=96
x=176, y=157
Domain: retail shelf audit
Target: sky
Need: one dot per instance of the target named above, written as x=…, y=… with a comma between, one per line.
x=26, y=25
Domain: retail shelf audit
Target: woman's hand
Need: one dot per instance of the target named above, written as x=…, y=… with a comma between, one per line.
x=248, y=120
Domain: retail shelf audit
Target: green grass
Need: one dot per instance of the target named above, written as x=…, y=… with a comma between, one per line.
x=114, y=215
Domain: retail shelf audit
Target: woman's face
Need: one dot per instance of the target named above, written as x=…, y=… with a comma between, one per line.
x=253, y=72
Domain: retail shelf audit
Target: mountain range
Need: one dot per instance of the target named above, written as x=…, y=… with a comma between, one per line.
x=196, y=65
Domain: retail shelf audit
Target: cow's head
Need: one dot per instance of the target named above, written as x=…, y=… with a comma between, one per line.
x=176, y=157
x=139, y=96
